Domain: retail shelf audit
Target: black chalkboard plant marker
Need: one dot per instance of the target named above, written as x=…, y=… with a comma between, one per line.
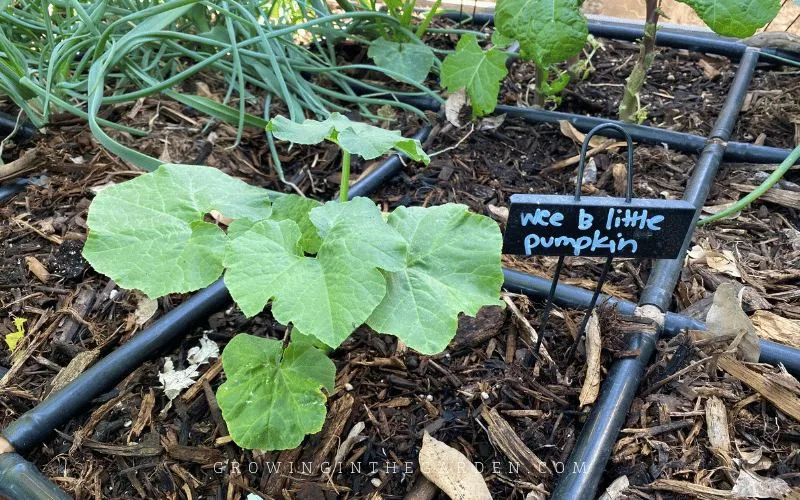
x=628, y=198
x=594, y=226
x=559, y=266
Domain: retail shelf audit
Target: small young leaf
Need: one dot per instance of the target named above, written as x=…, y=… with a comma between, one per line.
x=328, y=296
x=478, y=71
x=356, y=138
x=297, y=208
x=410, y=60
x=13, y=338
x=548, y=31
x=737, y=18
x=148, y=233
x=272, y=397
x=452, y=266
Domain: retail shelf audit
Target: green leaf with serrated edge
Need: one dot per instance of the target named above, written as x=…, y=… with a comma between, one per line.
x=411, y=60
x=327, y=296
x=359, y=228
x=452, y=266
x=297, y=208
x=477, y=71
x=272, y=397
x=737, y=18
x=548, y=31
x=148, y=233
x=356, y=138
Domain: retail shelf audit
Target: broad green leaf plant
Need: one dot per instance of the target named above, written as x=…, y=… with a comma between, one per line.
x=548, y=32
x=325, y=269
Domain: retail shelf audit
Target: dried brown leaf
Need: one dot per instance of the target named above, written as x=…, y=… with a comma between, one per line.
x=451, y=471
x=591, y=384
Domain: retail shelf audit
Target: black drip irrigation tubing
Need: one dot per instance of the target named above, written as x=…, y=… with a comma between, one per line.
x=676, y=38
x=8, y=124
x=674, y=323
x=584, y=468
x=33, y=427
x=679, y=141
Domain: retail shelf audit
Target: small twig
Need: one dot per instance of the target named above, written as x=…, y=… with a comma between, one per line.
x=471, y=130
x=25, y=163
x=665, y=381
x=529, y=328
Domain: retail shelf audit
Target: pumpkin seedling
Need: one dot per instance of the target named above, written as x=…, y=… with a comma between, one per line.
x=326, y=269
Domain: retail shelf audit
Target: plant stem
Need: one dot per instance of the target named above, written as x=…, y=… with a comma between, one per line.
x=345, y=183
x=538, y=94
x=629, y=107
x=759, y=191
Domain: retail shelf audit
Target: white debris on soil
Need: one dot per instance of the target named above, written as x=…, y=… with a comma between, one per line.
x=201, y=354
x=175, y=381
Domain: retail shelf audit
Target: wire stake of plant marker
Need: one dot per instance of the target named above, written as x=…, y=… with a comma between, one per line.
x=594, y=227
x=773, y=353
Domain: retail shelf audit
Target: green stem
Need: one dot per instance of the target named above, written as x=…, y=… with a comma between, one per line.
x=541, y=79
x=759, y=191
x=345, y=184
x=629, y=106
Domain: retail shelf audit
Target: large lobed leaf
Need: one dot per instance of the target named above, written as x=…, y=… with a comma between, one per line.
x=477, y=71
x=149, y=233
x=356, y=138
x=327, y=296
x=548, y=31
x=411, y=61
x=737, y=18
x=452, y=266
x=272, y=397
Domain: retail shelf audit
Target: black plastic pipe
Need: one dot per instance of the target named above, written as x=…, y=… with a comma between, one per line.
x=35, y=425
x=8, y=123
x=575, y=297
x=585, y=466
x=679, y=141
x=9, y=189
x=21, y=480
x=694, y=40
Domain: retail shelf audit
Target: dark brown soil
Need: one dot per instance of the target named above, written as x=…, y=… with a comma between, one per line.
x=397, y=393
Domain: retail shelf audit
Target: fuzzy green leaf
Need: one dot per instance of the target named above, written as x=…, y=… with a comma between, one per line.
x=476, y=71
x=327, y=296
x=412, y=61
x=452, y=265
x=356, y=138
x=272, y=397
x=737, y=18
x=548, y=31
x=149, y=233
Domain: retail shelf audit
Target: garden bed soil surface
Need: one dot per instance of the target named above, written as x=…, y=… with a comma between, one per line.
x=128, y=445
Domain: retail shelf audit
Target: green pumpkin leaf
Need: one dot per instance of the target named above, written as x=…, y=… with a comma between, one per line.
x=356, y=138
x=327, y=296
x=477, y=71
x=272, y=397
x=548, y=31
x=149, y=233
x=411, y=61
x=297, y=208
x=737, y=18
x=452, y=266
